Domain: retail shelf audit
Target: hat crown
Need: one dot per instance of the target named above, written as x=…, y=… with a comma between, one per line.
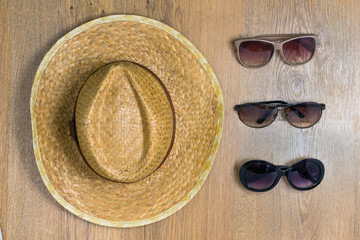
x=124, y=122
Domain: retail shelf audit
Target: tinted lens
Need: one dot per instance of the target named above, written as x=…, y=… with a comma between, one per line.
x=255, y=53
x=260, y=175
x=305, y=174
x=303, y=115
x=299, y=50
x=255, y=115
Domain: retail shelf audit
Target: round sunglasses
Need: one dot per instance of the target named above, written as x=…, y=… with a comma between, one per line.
x=261, y=176
x=295, y=49
x=262, y=114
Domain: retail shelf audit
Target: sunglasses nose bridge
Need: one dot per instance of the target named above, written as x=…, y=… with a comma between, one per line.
x=283, y=170
x=277, y=46
x=282, y=114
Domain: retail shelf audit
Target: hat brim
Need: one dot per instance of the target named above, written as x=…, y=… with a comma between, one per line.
x=193, y=89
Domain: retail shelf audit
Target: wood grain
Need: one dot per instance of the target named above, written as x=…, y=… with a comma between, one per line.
x=222, y=209
x=4, y=109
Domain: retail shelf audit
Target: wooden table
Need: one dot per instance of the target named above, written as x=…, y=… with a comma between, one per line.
x=223, y=209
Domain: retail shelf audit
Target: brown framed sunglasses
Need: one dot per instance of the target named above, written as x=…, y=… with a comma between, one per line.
x=295, y=49
x=262, y=114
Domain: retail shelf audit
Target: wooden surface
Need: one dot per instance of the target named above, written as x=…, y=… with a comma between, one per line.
x=222, y=209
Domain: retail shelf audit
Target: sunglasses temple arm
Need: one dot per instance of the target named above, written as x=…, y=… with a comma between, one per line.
x=298, y=113
x=270, y=102
x=237, y=107
x=282, y=36
x=263, y=117
x=308, y=47
x=307, y=175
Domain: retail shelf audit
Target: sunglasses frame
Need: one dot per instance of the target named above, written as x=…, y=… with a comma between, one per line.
x=281, y=171
x=277, y=104
x=277, y=40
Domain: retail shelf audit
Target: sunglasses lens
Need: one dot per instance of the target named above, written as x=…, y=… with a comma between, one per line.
x=255, y=53
x=299, y=50
x=257, y=115
x=303, y=115
x=260, y=175
x=305, y=174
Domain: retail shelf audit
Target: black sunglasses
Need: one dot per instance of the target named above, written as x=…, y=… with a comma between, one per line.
x=262, y=114
x=261, y=176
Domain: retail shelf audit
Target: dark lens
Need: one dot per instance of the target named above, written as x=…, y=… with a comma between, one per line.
x=305, y=174
x=303, y=115
x=256, y=115
x=299, y=50
x=260, y=175
x=255, y=53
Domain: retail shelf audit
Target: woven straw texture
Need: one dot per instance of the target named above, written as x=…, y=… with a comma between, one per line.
x=124, y=122
x=197, y=102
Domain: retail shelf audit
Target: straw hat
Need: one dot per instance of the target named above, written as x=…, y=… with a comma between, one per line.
x=127, y=117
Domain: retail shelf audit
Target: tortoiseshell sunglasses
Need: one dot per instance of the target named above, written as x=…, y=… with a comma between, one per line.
x=295, y=49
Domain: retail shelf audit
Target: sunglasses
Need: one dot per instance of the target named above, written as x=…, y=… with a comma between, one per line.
x=261, y=176
x=295, y=49
x=262, y=114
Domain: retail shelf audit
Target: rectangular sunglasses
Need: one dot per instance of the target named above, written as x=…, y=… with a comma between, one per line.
x=295, y=49
x=262, y=114
x=261, y=176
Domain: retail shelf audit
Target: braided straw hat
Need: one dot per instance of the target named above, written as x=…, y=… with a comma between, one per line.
x=127, y=117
